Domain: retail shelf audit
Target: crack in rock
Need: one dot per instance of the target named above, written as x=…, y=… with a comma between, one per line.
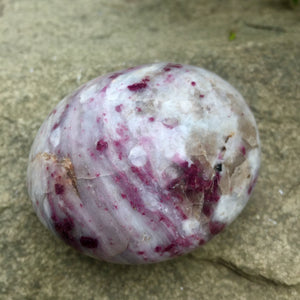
x=258, y=278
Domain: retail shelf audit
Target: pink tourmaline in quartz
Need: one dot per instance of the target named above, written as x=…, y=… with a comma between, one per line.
x=144, y=164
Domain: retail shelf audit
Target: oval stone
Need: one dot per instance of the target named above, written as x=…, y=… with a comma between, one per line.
x=144, y=164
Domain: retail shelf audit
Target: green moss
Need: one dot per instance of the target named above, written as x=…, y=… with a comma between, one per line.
x=294, y=3
x=232, y=35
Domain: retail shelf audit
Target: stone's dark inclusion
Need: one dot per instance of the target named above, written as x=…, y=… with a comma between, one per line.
x=216, y=227
x=64, y=228
x=218, y=167
x=88, y=242
x=101, y=145
x=139, y=85
x=170, y=66
x=59, y=189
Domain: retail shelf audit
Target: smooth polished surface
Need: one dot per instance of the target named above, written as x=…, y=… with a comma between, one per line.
x=144, y=164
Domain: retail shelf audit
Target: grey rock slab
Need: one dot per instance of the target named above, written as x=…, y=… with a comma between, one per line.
x=48, y=48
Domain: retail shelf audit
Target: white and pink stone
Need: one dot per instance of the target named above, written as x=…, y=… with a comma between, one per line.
x=144, y=164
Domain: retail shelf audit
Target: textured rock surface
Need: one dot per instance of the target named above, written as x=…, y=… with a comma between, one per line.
x=49, y=48
x=144, y=164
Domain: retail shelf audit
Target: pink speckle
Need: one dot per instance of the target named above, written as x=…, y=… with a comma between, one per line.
x=117, y=178
x=55, y=126
x=252, y=185
x=201, y=96
x=123, y=196
x=151, y=119
x=193, y=83
x=104, y=89
x=117, y=143
x=201, y=242
x=146, y=79
x=138, y=109
x=216, y=227
x=243, y=150
x=64, y=228
x=97, y=174
x=101, y=145
x=119, y=108
x=88, y=242
x=137, y=86
x=120, y=131
x=170, y=78
x=59, y=189
x=157, y=249
x=169, y=247
x=168, y=67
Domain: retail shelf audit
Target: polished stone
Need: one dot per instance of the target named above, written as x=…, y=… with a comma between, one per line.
x=145, y=164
